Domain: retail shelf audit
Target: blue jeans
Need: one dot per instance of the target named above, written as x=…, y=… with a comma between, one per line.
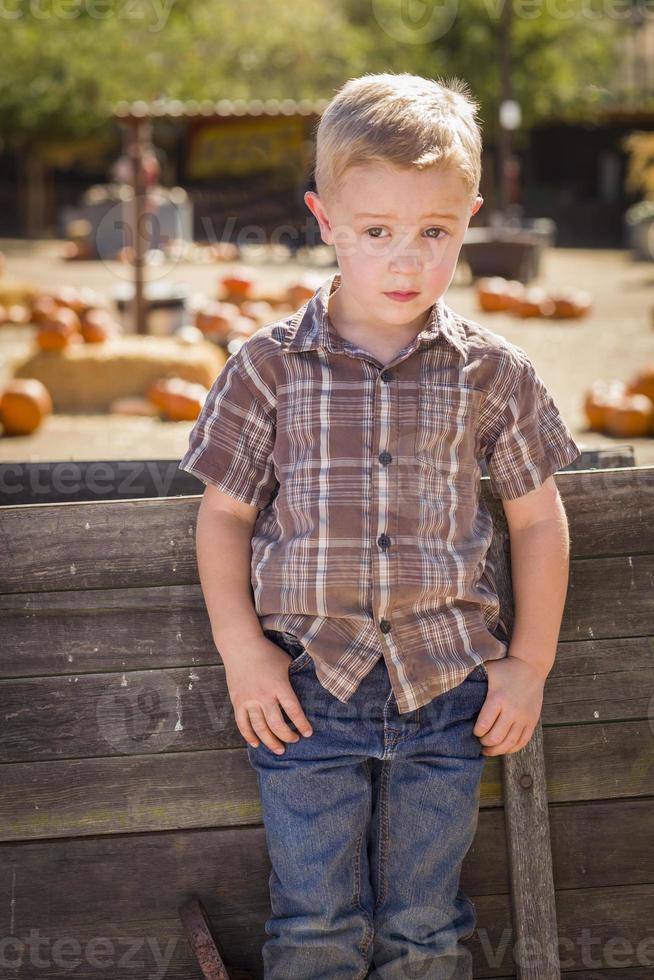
x=367, y=823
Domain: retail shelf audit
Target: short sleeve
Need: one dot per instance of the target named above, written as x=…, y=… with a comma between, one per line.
x=231, y=443
x=531, y=440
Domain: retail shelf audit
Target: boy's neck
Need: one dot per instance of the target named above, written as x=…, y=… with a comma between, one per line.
x=355, y=327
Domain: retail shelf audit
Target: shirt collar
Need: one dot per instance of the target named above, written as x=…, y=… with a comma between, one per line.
x=310, y=328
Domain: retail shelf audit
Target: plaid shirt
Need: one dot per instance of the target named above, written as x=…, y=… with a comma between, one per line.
x=372, y=537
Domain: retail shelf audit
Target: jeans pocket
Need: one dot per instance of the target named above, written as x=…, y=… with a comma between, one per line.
x=299, y=662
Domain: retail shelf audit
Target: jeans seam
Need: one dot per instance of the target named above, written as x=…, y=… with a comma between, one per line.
x=383, y=834
x=366, y=941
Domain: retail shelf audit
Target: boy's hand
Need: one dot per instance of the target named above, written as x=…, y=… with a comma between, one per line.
x=258, y=684
x=512, y=707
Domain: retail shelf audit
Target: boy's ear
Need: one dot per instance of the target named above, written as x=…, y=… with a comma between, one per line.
x=314, y=204
x=477, y=204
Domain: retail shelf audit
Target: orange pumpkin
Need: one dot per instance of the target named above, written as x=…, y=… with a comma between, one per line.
x=24, y=403
x=534, y=301
x=98, y=326
x=238, y=283
x=44, y=308
x=178, y=400
x=64, y=329
x=570, y=303
x=215, y=319
x=630, y=417
x=643, y=383
x=599, y=397
x=67, y=296
x=494, y=294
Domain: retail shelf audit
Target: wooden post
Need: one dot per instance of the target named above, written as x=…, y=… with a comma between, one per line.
x=533, y=908
x=139, y=136
x=506, y=90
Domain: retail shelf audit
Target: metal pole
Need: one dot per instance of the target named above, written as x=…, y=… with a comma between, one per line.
x=140, y=131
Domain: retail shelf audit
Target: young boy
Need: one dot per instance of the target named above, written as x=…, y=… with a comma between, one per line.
x=342, y=547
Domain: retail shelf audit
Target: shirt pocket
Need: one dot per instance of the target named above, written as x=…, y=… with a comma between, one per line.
x=446, y=426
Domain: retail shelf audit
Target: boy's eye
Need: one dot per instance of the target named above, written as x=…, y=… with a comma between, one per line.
x=438, y=230
x=372, y=230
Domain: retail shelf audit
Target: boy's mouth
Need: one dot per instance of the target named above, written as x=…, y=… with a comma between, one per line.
x=402, y=297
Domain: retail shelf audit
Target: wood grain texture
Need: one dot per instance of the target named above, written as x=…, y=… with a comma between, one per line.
x=127, y=788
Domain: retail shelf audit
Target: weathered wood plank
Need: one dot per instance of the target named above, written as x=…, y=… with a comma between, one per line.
x=135, y=712
x=136, y=543
x=104, y=630
x=189, y=859
x=144, y=918
x=98, y=629
x=130, y=794
x=71, y=481
x=66, y=481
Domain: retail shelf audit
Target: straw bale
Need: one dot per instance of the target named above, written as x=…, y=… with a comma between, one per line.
x=89, y=377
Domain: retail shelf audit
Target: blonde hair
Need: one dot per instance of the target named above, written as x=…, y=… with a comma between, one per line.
x=401, y=119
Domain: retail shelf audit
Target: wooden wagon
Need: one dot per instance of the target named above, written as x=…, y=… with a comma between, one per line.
x=126, y=789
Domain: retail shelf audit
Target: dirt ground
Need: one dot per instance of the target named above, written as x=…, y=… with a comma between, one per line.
x=614, y=341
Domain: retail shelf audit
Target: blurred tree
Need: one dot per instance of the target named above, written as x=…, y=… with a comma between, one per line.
x=563, y=56
x=60, y=74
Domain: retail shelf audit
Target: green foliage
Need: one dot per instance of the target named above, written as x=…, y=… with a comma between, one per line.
x=60, y=74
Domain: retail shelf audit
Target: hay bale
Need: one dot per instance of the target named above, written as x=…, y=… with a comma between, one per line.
x=89, y=377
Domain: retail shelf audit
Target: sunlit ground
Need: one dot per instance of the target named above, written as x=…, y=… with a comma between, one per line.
x=614, y=341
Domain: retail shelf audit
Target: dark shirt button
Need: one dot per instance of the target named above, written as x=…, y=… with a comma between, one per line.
x=386, y=375
x=385, y=458
x=385, y=626
x=384, y=541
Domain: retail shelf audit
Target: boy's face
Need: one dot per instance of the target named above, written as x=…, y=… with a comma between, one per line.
x=394, y=229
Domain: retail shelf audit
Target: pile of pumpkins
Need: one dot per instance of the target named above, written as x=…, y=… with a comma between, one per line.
x=495, y=294
x=237, y=312
x=71, y=316
x=240, y=308
x=623, y=409
x=62, y=317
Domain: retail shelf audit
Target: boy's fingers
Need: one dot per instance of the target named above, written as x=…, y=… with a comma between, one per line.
x=277, y=724
x=255, y=721
x=242, y=719
x=508, y=743
x=293, y=709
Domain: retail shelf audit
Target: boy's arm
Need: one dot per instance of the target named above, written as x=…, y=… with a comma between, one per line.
x=540, y=551
x=231, y=450
x=256, y=669
x=528, y=442
x=224, y=548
